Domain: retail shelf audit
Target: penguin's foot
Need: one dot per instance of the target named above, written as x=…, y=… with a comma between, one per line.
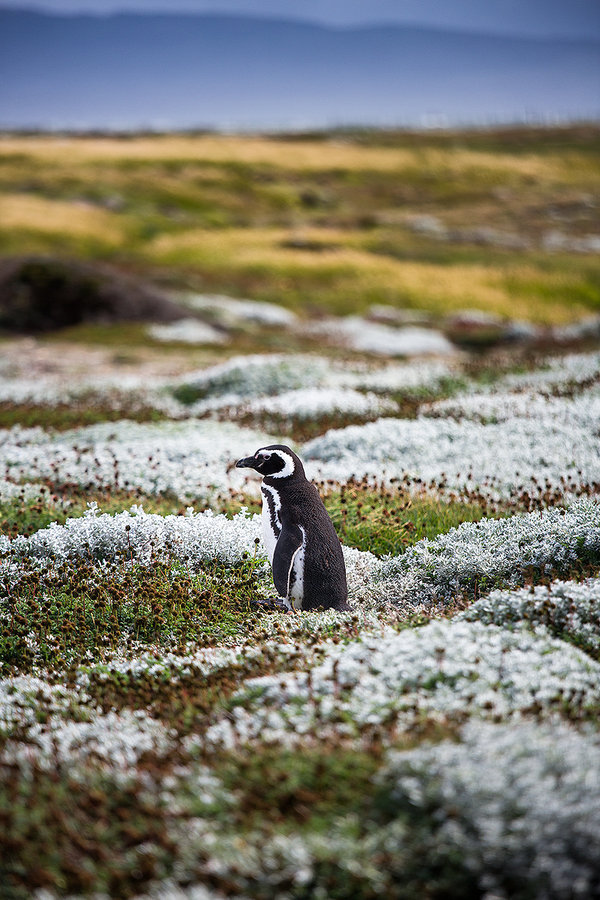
x=275, y=604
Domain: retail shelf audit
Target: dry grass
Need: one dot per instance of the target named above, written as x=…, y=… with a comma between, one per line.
x=298, y=155
x=359, y=276
x=320, y=222
x=39, y=214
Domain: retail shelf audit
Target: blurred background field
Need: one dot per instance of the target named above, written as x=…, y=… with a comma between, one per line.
x=504, y=221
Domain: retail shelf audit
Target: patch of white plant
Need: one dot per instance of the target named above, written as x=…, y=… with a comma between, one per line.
x=557, y=374
x=293, y=384
x=444, y=669
x=570, y=608
x=193, y=540
x=405, y=378
x=23, y=697
x=198, y=663
x=115, y=741
x=9, y=490
x=499, y=806
x=583, y=412
x=229, y=311
x=196, y=538
x=193, y=459
x=518, y=804
x=186, y=331
x=130, y=393
x=310, y=403
x=384, y=340
x=498, y=459
x=489, y=551
x=262, y=375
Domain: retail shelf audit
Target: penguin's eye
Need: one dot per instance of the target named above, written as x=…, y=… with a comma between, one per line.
x=266, y=456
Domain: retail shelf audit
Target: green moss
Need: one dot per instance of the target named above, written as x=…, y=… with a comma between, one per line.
x=282, y=787
x=15, y=241
x=71, y=415
x=58, y=619
x=56, y=504
x=70, y=834
x=386, y=520
x=581, y=287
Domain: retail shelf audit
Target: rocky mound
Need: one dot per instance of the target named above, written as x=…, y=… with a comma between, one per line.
x=43, y=294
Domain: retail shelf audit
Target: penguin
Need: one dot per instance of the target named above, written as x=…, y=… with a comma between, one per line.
x=302, y=545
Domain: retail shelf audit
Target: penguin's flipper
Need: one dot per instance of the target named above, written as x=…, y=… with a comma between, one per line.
x=290, y=541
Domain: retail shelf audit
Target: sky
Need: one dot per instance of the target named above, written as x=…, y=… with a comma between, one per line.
x=535, y=18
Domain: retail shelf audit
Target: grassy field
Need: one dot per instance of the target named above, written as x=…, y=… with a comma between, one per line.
x=322, y=223
x=166, y=731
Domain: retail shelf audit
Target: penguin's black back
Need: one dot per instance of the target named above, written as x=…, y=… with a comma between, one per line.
x=325, y=583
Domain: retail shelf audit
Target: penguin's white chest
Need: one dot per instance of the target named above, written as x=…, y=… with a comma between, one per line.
x=296, y=577
x=271, y=522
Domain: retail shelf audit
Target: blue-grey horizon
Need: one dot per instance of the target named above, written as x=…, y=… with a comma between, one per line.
x=536, y=18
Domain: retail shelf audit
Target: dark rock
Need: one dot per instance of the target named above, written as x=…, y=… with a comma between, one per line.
x=40, y=294
x=474, y=329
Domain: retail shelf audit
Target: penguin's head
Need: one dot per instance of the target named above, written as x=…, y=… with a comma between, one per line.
x=274, y=461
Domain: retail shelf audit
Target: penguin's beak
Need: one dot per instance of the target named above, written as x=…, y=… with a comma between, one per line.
x=248, y=462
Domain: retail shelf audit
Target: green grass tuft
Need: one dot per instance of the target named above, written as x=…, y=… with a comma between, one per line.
x=71, y=835
x=385, y=520
x=71, y=415
x=78, y=612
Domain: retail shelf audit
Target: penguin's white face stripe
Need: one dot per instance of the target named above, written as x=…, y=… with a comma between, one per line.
x=271, y=523
x=289, y=467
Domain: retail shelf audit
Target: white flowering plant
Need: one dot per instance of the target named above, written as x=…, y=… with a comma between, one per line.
x=152, y=701
x=478, y=555
x=570, y=609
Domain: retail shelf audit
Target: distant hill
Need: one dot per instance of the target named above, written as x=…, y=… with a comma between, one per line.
x=182, y=71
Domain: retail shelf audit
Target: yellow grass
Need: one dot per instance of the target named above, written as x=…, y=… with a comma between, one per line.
x=356, y=273
x=297, y=155
x=38, y=214
x=183, y=208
